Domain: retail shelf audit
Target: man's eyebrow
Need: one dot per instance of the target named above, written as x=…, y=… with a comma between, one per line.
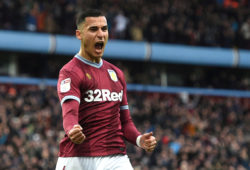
x=96, y=27
x=93, y=26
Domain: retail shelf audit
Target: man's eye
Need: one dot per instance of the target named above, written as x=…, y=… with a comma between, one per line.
x=104, y=28
x=93, y=29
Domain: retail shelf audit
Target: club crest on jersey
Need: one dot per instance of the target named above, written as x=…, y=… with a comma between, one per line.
x=88, y=75
x=112, y=75
x=65, y=85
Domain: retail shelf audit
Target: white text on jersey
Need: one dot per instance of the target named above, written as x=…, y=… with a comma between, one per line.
x=99, y=95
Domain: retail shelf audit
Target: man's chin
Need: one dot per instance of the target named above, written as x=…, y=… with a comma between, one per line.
x=98, y=55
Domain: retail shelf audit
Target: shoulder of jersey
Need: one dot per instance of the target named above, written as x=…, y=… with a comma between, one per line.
x=71, y=65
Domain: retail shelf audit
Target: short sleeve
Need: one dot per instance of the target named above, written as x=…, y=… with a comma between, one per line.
x=68, y=86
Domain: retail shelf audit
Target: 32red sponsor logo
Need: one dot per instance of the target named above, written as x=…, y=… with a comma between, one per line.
x=99, y=95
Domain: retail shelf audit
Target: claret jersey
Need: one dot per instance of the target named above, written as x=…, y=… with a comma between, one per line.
x=101, y=91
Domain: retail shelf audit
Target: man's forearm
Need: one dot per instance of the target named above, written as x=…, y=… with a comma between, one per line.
x=70, y=114
x=130, y=131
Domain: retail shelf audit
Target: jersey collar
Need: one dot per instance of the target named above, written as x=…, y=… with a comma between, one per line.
x=97, y=65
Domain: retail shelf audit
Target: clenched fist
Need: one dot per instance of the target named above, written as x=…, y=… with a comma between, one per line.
x=76, y=135
x=148, y=142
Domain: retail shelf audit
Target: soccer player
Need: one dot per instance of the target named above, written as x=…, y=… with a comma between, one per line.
x=96, y=116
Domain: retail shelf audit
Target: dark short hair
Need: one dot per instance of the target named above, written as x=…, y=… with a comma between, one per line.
x=87, y=13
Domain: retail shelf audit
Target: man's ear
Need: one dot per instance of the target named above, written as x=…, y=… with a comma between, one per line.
x=78, y=34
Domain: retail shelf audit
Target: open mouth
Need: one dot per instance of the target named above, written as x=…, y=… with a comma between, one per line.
x=99, y=45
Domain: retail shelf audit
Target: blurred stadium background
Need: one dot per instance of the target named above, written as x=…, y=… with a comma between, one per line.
x=187, y=64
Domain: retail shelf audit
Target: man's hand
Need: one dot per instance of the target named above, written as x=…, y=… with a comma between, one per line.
x=76, y=135
x=148, y=142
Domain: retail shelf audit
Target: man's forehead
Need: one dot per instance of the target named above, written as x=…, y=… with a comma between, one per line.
x=95, y=21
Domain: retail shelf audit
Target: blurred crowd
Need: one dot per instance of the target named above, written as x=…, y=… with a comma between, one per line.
x=163, y=74
x=223, y=23
x=30, y=128
x=194, y=132
x=147, y=73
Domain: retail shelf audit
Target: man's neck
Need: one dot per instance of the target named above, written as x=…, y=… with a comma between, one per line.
x=92, y=59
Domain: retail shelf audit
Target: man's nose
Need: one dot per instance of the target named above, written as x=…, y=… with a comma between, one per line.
x=100, y=33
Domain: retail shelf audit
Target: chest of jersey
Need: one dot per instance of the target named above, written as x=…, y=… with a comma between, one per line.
x=101, y=84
